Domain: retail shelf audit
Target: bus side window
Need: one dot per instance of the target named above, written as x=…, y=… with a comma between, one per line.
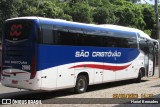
x=132, y=42
x=65, y=38
x=109, y=41
x=144, y=46
x=82, y=40
x=47, y=34
x=89, y=40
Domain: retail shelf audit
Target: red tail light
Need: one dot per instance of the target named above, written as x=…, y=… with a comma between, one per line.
x=33, y=69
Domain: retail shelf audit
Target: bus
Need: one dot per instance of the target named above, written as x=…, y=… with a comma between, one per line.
x=50, y=54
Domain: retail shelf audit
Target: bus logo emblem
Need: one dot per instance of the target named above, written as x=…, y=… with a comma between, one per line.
x=16, y=30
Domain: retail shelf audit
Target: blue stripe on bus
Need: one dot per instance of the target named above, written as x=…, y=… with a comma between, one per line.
x=50, y=56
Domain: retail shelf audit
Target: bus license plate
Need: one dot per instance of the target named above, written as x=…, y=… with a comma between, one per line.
x=14, y=82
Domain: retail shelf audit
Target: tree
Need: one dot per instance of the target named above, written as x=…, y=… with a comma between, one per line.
x=133, y=1
x=149, y=16
x=8, y=9
x=103, y=15
x=120, y=12
x=81, y=12
x=129, y=14
x=95, y=3
x=149, y=19
x=28, y=8
x=45, y=8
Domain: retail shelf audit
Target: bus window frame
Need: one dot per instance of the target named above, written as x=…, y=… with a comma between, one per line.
x=89, y=33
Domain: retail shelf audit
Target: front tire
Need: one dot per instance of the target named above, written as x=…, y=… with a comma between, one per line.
x=81, y=84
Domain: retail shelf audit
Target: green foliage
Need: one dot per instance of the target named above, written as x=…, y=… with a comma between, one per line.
x=49, y=9
x=149, y=32
x=120, y=12
x=133, y=1
x=121, y=3
x=103, y=15
x=129, y=14
x=28, y=8
x=81, y=12
x=8, y=9
x=149, y=16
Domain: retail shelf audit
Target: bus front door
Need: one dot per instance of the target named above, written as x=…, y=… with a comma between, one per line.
x=146, y=63
x=148, y=60
x=151, y=60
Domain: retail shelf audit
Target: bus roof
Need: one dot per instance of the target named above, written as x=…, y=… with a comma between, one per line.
x=142, y=34
x=107, y=27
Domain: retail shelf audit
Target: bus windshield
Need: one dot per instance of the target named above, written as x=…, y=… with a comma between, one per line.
x=17, y=30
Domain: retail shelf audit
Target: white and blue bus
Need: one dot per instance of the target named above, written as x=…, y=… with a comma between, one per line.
x=51, y=54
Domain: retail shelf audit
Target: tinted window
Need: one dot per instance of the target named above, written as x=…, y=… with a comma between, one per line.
x=132, y=42
x=147, y=47
x=89, y=40
x=109, y=41
x=121, y=42
x=18, y=29
x=151, y=51
x=143, y=45
x=47, y=34
x=65, y=38
x=56, y=35
x=59, y=35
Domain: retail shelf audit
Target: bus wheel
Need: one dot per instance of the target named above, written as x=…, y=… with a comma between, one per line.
x=81, y=84
x=138, y=79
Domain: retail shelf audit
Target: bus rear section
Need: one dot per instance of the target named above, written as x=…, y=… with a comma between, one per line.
x=18, y=62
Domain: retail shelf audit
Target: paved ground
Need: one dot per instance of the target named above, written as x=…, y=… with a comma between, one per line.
x=147, y=86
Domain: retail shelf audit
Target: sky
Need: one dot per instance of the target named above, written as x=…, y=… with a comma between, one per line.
x=149, y=1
